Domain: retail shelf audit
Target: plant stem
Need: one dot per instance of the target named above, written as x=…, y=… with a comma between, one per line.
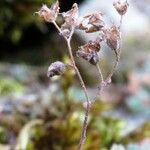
x=121, y=19
x=58, y=28
x=77, y=72
x=88, y=106
x=100, y=72
x=84, y=127
x=87, y=110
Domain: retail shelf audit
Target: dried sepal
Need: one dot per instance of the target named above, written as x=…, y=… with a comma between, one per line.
x=96, y=19
x=71, y=16
x=66, y=30
x=91, y=46
x=92, y=29
x=92, y=57
x=89, y=52
x=56, y=68
x=49, y=14
x=71, y=19
x=112, y=36
x=92, y=22
x=121, y=8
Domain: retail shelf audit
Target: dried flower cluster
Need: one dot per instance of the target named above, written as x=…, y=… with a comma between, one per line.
x=112, y=36
x=71, y=19
x=49, y=15
x=90, y=23
x=121, y=7
x=89, y=52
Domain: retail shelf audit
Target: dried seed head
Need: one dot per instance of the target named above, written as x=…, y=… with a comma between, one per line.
x=112, y=36
x=56, y=68
x=89, y=52
x=71, y=16
x=121, y=8
x=92, y=57
x=49, y=14
x=92, y=22
x=71, y=19
x=96, y=19
x=91, y=46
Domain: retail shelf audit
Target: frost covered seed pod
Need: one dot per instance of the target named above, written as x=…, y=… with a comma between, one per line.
x=71, y=16
x=112, y=36
x=121, y=8
x=71, y=21
x=89, y=52
x=91, y=46
x=49, y=14
x=92, y=22
x=56, y=68
x=92, y=57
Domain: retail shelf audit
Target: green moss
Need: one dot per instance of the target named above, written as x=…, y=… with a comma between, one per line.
x=10, y=86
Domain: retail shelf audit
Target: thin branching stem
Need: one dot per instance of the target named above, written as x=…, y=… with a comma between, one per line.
x=57, y=27
x=77, y=71
x=67, y=31
x=100, y=72
x=84, y=127
x=88, y=106
x=117, y=53
x=87, y=110
x=121, y=19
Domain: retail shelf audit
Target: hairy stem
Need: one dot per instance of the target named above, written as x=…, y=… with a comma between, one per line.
x=57, y=27
x=121, y=19
x=100, y=72
x=116, y=64
x=84, y=127
x=88, y=106
x=87, y=110
x=117, y=53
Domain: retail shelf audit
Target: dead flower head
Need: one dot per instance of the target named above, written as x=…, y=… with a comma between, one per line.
x=92, y=22
x=71, y=19
x=49, y=14
x=112, y=36
x=121, y=7
x=71, y=16
x=89, y=52
x=56, y=68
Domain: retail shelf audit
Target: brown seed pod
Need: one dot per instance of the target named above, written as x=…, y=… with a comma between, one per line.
x=96, y=19
x=92, y=22
x=91, y=46
x=91, y=57
x=121, y=8
x=92, y=29
x=49, y=14
x=71, y=19
x=112, y=36
x=89, y=52
x=71, y=16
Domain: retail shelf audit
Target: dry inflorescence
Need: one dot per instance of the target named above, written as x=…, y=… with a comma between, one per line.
x=121, y=7
x=89, y=23
x=49, y=15
x=89, y=52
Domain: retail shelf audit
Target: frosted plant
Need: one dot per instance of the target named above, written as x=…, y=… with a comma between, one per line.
x=92, y=22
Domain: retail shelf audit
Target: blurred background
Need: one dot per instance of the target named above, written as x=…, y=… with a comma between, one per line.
x=38, y=113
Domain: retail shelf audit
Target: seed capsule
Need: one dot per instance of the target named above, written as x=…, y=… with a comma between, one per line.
x=121, y=8
x=56, y=68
